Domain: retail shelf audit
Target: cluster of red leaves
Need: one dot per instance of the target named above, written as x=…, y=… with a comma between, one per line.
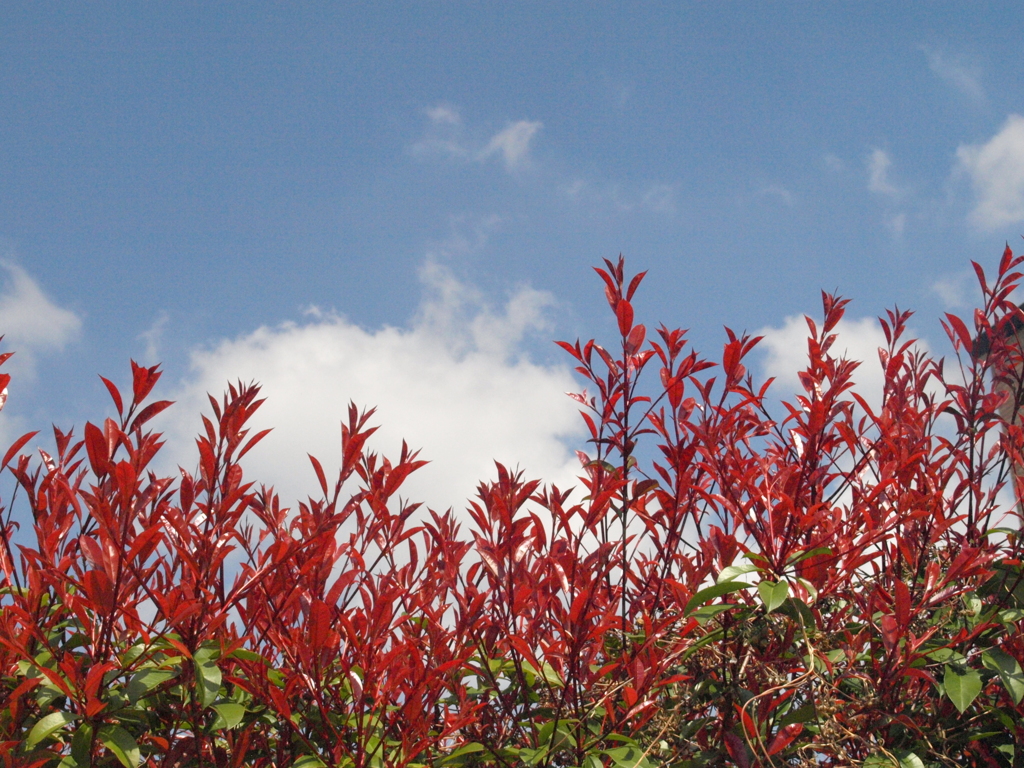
x=831, y=587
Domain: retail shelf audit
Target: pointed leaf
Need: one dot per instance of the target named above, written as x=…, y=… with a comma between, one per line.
x=1008, y=669
x=784, y=737
x=624, y=314
x=16, y=446
x=208, y=674
x=47, y=726
x=149, y=412
x=773, y=595
x=120, y=742
x=962, y=685
x=230, y=715
x=716, y=590
x=114, y=395
x=319, y=473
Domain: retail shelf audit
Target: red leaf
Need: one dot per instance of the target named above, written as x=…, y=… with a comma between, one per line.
x=99, y=590
x=629, y=695
x=784, y=737
x=186, y=491
x=91, y=549
x=147, y=539
x=143, y=381
x=624, y=314
x=634, y=284
x=253, y=440
x=635, y=340
x=890, y=632
x=16, y=446
x=737, y=750
x=114, y=395
x=149, y=412
x=962, y=333
x=902, y=606
x=319, y=473
x=96, y=447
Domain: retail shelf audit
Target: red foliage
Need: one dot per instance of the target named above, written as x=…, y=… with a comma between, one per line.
x=831, y=587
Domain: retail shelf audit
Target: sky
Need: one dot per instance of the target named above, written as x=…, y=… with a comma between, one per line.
x=399, y=203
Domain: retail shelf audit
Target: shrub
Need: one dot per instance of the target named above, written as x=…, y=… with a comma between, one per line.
x=831, y=586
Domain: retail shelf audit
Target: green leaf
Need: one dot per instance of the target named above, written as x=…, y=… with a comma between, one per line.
x=80, y=745
x=1008, y=669
x=773, y=595
x=47, y=726
x=208, y=676
x=628, y=757
x=879, y=761
x=962, y=685
x=457, y=755
x=716, y=590
x=555, y=735
x=145, y=680
x=532, y=756
x=309, y=761
x=731, y=572
x=798, y=557
x=246, y=655
x=944, y=655
x=120, y=742
x=909, y=759
x=229, y=713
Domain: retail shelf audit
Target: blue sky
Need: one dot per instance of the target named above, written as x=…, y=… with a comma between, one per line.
x=399, y=203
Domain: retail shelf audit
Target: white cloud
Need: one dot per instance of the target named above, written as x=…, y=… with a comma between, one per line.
x=442, y=114
x=30, y=322
x=860, y=339
x=897, y=223
x=444, y=135
x=655, y=197
x=952, y=289
x=451, y=384
x=878, y=164
x=996, y=169
x=779, y=192
x=833, y=162
x=660, y=198
x=512, y=144
x=963, y=77
x=153, y=336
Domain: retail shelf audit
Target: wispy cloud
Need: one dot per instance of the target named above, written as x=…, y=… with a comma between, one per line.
x=442, y=135
x=654, y=197
x=778, y=192
x=833, y=162
x=512, y=144
x=152, y=337
x=896, y=223
x=445, y=135
x=453, y=383
x=963, y=77
x=878, y=164
x=442, y=114
x=953, y=289
x=996, y=169
x=30, y=322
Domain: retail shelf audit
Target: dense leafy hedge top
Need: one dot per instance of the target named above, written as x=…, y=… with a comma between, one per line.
x=834, y=585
